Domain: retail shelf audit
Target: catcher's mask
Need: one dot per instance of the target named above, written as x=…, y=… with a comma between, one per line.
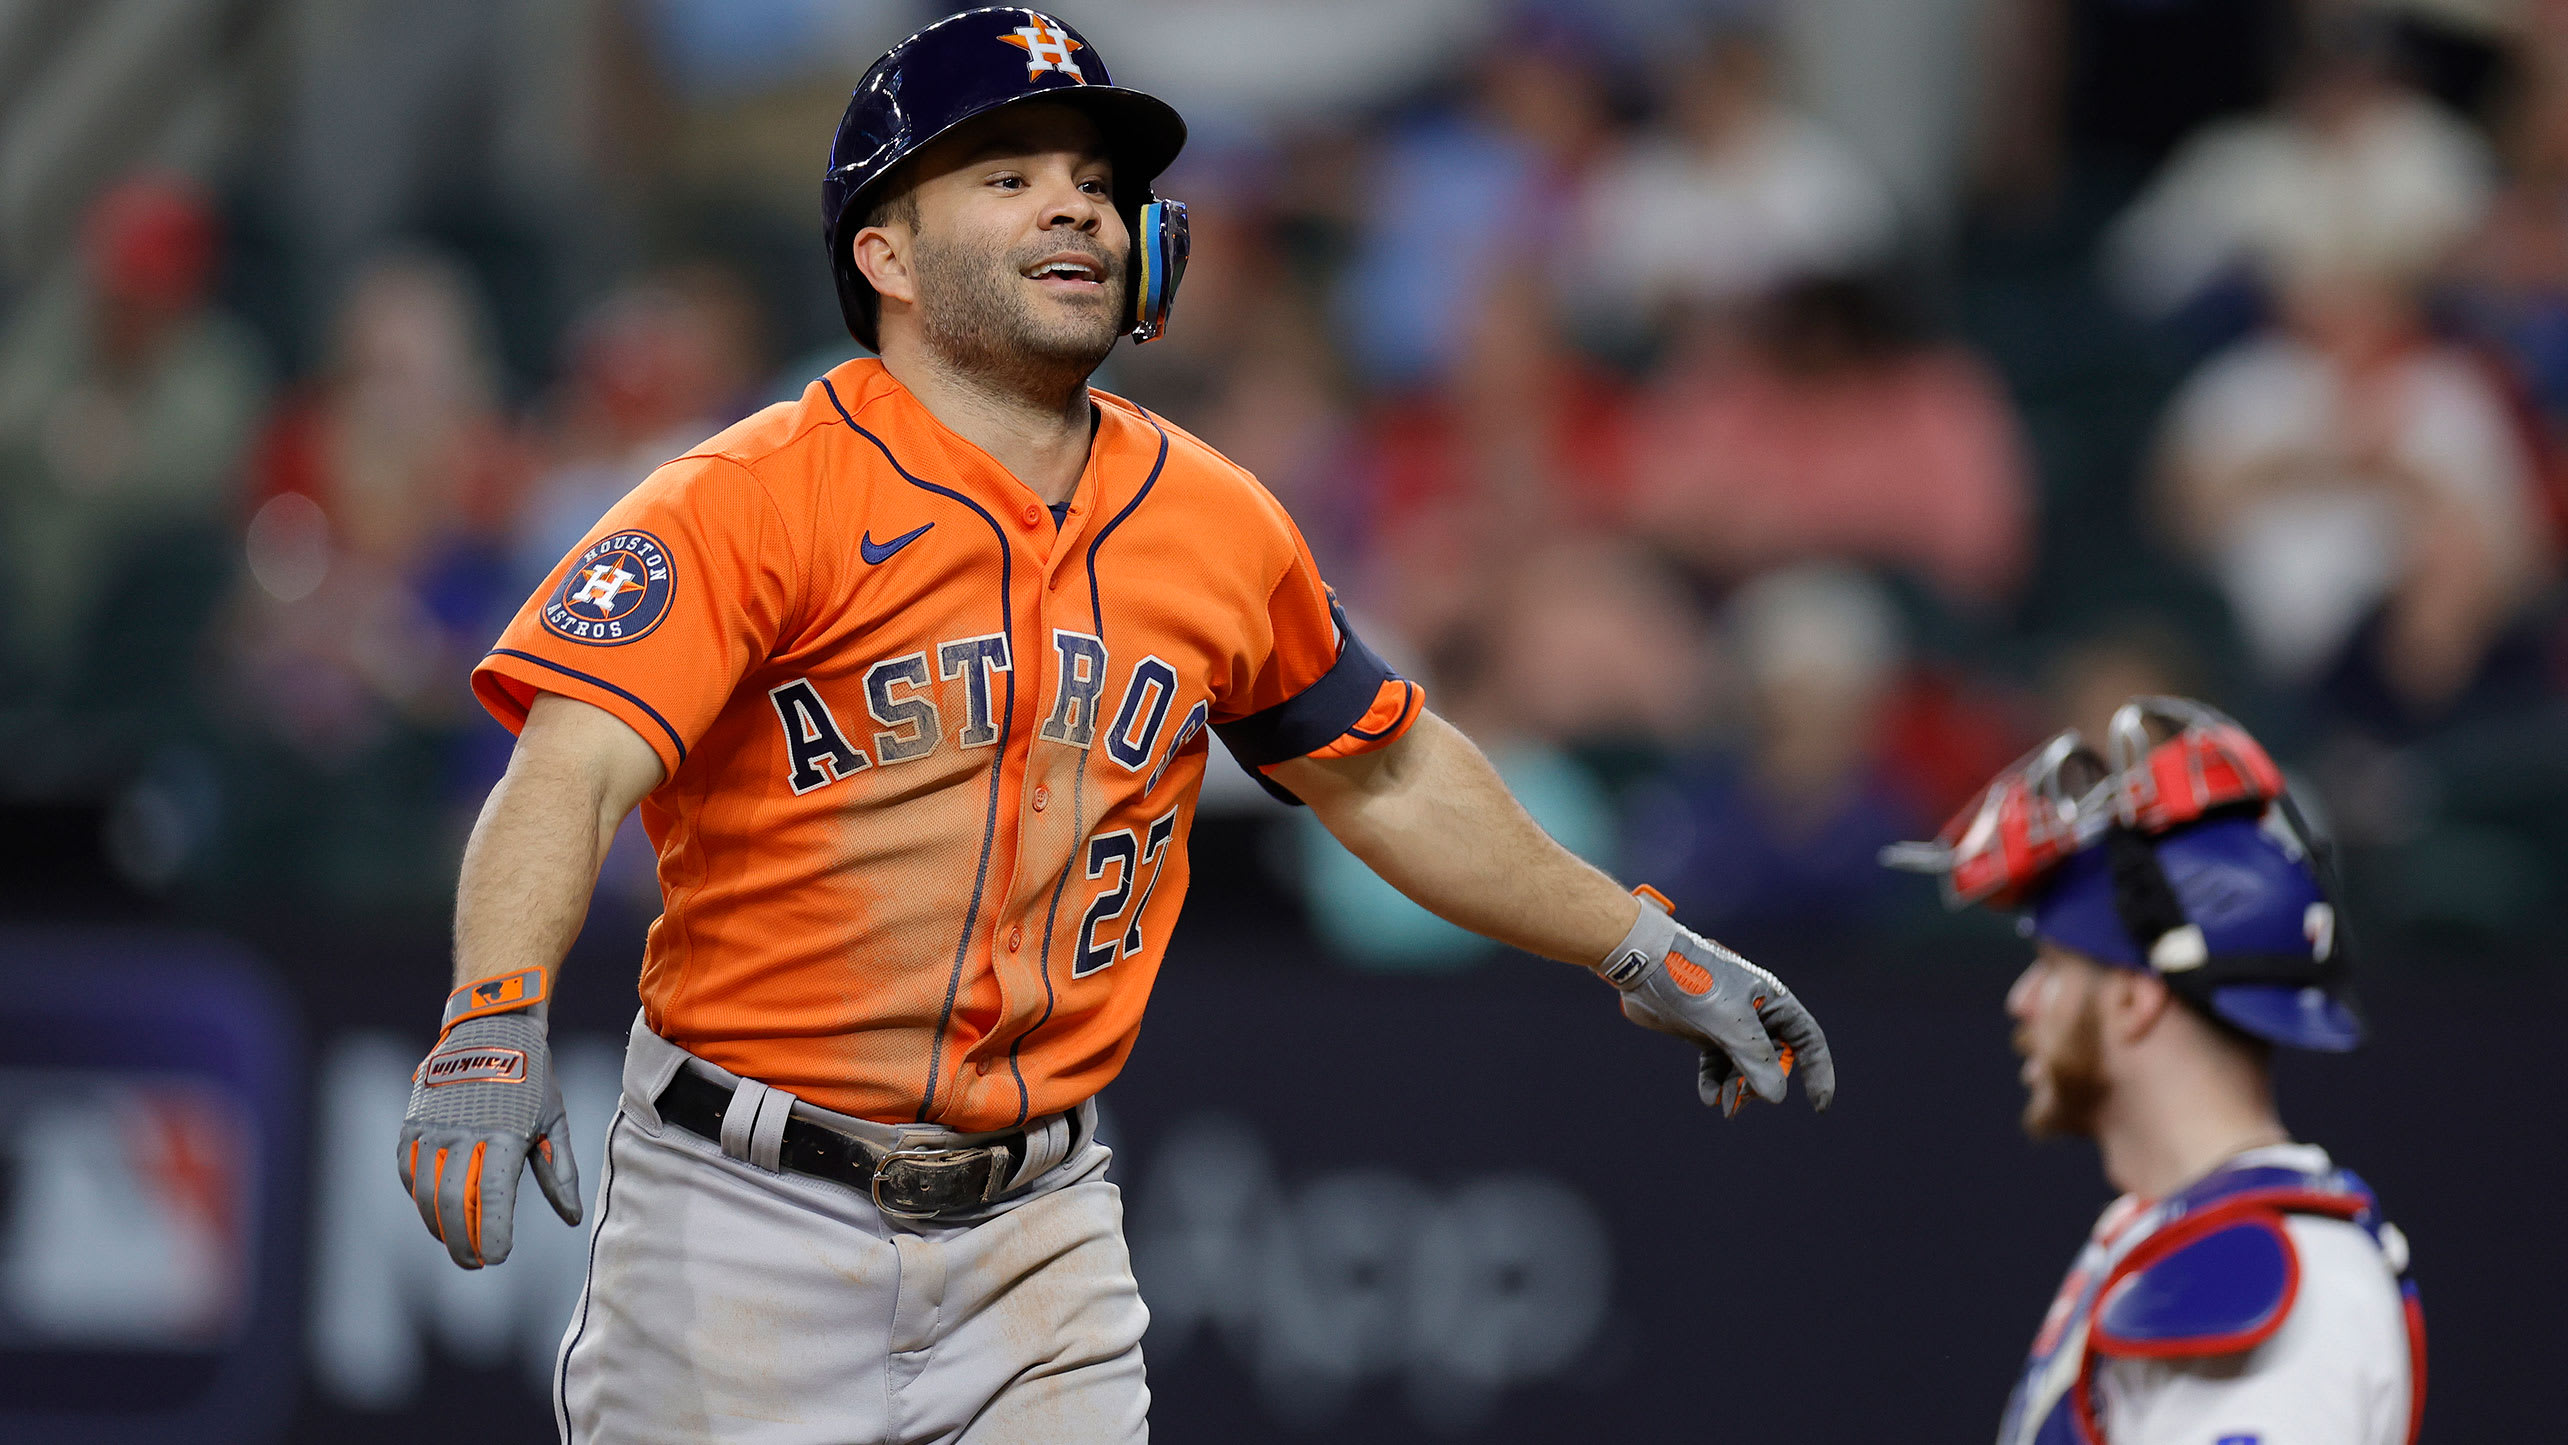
x=2184, y=855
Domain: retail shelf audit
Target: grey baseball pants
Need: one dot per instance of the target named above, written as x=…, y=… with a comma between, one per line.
x=727, y=1303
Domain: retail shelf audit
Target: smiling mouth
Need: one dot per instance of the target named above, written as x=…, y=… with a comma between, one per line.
x=1069, y=272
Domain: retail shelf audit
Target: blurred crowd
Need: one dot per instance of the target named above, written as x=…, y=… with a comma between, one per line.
x=1747, y=510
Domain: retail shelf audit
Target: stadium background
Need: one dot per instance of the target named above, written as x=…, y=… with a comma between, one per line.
x=1756, y=422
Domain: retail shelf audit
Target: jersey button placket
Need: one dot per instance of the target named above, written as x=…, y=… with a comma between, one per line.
x=1016, y=937
x=1042, y=796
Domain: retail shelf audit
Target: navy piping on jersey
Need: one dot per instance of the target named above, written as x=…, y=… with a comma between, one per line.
x=588, y=1279
x=674, y=740
x=1051, y=914
x=1079, y=791
x=990, y=824
x=1096, y=603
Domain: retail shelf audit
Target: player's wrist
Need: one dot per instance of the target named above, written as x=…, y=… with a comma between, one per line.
x=527, y=990
x=1649, y=939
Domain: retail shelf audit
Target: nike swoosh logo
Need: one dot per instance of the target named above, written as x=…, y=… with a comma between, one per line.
x=879, y=552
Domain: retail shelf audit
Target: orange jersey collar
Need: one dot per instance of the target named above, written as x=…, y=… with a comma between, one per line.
x=1120, y=454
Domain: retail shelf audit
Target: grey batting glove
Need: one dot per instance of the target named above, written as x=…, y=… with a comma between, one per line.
x=1754, y=1032
x=482, y=1102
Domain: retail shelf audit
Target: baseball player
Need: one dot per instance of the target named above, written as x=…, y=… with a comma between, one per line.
x=2244, y=1290
x=912, y=680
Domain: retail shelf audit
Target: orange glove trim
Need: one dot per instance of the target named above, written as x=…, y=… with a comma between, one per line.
x=472, y=1200
x=437, y=1196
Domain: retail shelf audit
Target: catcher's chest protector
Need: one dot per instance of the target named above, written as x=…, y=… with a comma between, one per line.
x=2207, y=1273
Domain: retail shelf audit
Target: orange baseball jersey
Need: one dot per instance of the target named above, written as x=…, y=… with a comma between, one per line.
x=932, y=756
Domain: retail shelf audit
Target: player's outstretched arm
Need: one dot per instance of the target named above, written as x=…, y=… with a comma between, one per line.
x=543, y=834
x=1431, y=816
x=485, y=1097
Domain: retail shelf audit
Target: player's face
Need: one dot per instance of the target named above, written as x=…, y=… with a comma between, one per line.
x=2059, y=1031
x=1019, y=254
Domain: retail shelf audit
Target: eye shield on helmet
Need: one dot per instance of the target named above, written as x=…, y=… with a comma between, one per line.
x=2183, y=855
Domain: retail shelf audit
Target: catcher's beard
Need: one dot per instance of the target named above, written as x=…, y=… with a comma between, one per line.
x=976, y=316
x=2072, y=1088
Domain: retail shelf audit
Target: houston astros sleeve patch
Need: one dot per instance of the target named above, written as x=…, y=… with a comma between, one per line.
x=616, y=591
x=684, y=585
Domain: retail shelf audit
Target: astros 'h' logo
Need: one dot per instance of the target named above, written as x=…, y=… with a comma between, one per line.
x=616, y=591
x=1047, y=47
x=604, y=583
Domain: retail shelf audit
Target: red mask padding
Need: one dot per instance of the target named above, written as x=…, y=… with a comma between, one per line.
x=2209, y=763
x=2009, y=837
x=2059, y=799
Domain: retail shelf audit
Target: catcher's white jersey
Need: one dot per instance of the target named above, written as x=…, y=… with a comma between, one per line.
x=2263, y=1305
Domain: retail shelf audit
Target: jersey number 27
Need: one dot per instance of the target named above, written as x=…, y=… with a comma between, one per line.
x=1126, y=855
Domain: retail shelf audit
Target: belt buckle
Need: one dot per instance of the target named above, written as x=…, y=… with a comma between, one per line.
x=918, y=1183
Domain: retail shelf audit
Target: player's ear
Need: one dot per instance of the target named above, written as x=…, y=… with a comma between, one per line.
x=882, y=256
x=2135, y=1003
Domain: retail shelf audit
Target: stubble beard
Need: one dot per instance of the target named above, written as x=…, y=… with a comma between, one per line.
x=2067, y=1101
x=983, y=328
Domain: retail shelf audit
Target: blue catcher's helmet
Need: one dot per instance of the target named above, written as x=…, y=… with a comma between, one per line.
x=2255, y=943
x=967, y=65
x=2185, y=857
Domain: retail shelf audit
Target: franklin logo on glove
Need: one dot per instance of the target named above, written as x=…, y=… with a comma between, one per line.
x=456, y=1066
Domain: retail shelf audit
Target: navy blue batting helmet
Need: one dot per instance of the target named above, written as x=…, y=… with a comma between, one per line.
x=968, y=65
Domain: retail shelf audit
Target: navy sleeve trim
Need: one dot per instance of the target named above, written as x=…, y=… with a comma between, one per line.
x=1318, y=715
x=572, y=672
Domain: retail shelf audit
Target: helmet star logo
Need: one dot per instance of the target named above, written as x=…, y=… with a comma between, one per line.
x=1047, y=47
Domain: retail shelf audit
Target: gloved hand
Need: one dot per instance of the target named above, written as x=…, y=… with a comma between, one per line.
x=1753, y=1031
x=479, y=1103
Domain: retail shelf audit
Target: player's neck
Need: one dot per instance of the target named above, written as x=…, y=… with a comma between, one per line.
x=2160, y=1131
x=1040, y=434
